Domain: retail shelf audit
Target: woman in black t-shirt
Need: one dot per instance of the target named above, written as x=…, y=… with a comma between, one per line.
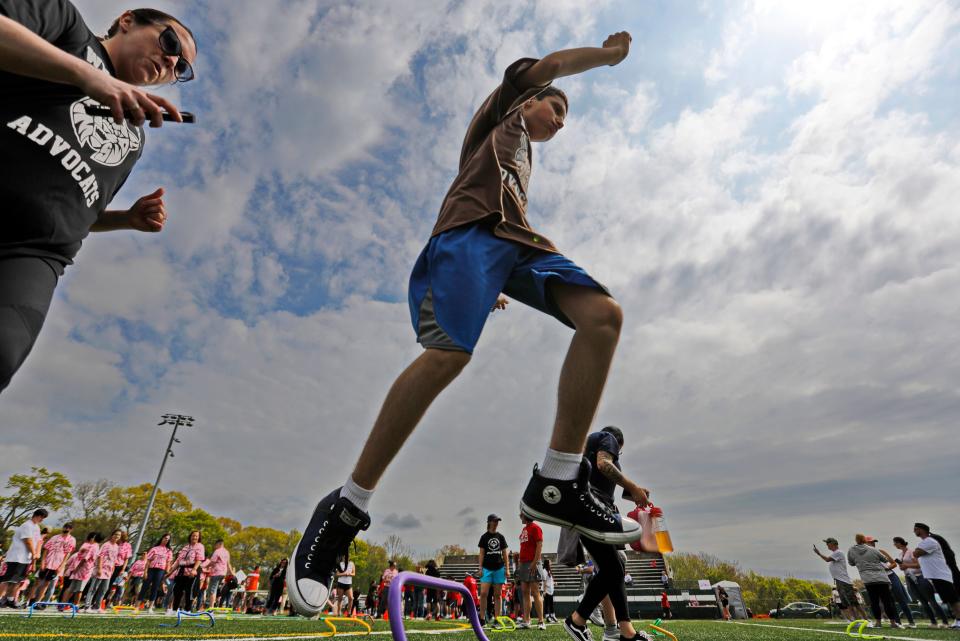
x=61, y=166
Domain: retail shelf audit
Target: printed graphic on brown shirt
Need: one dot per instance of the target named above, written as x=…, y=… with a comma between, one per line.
x=495, y=166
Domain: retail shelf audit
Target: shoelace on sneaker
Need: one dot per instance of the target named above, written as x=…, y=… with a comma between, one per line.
x=595, y=506
x=339, y=543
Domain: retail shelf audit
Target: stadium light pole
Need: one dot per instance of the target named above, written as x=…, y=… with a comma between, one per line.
x=177, y=420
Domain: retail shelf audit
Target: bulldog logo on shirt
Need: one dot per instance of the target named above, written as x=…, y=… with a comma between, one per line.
x=110, y=142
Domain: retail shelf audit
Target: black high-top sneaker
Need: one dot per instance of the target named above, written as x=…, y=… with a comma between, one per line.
x=572, y=504
x=576, y=632
x=334, y=524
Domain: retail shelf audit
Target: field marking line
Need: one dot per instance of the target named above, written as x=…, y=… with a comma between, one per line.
x=232, y=636
x=790, y=627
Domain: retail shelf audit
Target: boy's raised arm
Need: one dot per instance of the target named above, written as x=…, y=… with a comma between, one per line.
x=569, y=62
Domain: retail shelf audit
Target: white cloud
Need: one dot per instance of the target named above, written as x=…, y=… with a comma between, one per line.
x=784, y=253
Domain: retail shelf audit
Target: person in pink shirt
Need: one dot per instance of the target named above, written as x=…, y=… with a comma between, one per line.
x=186, y=568
x=55, y=553
x=137, y=571
x=387, y=578
x=80, y=567
x=217, y=566
x=106, y=562
x=123, y=560
x=159, y=562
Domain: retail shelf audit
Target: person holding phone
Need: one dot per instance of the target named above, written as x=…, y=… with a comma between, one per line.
x=60, y=166
x=850, y=608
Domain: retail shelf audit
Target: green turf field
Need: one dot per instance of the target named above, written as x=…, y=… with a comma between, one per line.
x=16, y=627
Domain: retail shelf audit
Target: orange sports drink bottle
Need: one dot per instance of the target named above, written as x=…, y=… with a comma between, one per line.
x=660, y=530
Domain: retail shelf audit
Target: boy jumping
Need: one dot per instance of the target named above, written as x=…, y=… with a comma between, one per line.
x=481, y=247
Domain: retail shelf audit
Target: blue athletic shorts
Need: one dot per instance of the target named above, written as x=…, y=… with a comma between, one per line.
x=461, y=272
x=494, y=576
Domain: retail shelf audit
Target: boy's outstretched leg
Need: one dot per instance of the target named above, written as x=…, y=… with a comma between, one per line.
x=559, y=492
x=342, y=514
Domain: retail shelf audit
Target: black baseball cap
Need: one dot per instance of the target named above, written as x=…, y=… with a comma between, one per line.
x=831, y=540
x=493, y=517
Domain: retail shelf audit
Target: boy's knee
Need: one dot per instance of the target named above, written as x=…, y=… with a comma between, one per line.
x=606, y=315
x=451, y=362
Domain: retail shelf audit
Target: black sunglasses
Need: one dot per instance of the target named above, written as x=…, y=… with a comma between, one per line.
x=170, y=45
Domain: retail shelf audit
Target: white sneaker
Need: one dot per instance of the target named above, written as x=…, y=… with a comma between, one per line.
x=541, y=626
x=170, y=613
x=150, y=610
x=896, y=625
x=912, y=626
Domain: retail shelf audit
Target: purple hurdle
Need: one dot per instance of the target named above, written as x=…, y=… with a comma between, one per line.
x=395, y=601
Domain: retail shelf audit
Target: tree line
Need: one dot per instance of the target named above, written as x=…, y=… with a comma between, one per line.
x=760, y=592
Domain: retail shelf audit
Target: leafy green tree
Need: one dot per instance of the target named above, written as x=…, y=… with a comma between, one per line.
x=261, y=546
x=371, y=560
x=760, y=593
x=126, y=506
x=40, y=488
x=230, y=526
x=181, y=525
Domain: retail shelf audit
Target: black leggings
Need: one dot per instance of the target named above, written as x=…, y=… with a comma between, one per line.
x=276, y=591
x=547, y=604
x=879, y=593
x=607, y=581
x=26, y=289
x=182, y=587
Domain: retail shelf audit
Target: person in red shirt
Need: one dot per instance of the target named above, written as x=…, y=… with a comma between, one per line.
x=529, y=570
x=665, y=606
x=470, y=582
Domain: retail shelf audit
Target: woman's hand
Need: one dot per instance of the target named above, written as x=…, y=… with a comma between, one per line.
x=148, y=213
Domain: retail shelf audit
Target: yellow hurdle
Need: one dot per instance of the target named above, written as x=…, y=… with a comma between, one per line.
x=347, y=620
x=508, y=624
x=117, y=609
x=858, y=633
x=226, y=612
x=670, y=634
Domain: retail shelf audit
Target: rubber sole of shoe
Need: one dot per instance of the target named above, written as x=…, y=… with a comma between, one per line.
x=293, y=592
x=615, y=538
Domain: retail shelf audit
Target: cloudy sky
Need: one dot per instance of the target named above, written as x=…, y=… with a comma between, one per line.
x=769, y=188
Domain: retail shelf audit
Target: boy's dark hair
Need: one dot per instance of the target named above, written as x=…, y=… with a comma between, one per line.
x=149, y=16
x=553, y=91
x=900, y=540
x=41, y=512
x=615, y=431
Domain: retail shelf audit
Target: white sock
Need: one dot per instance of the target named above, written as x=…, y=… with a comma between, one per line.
x=560, y=466
x=356, y=494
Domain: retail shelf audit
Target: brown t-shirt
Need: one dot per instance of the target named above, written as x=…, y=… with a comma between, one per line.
x=491, y=186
